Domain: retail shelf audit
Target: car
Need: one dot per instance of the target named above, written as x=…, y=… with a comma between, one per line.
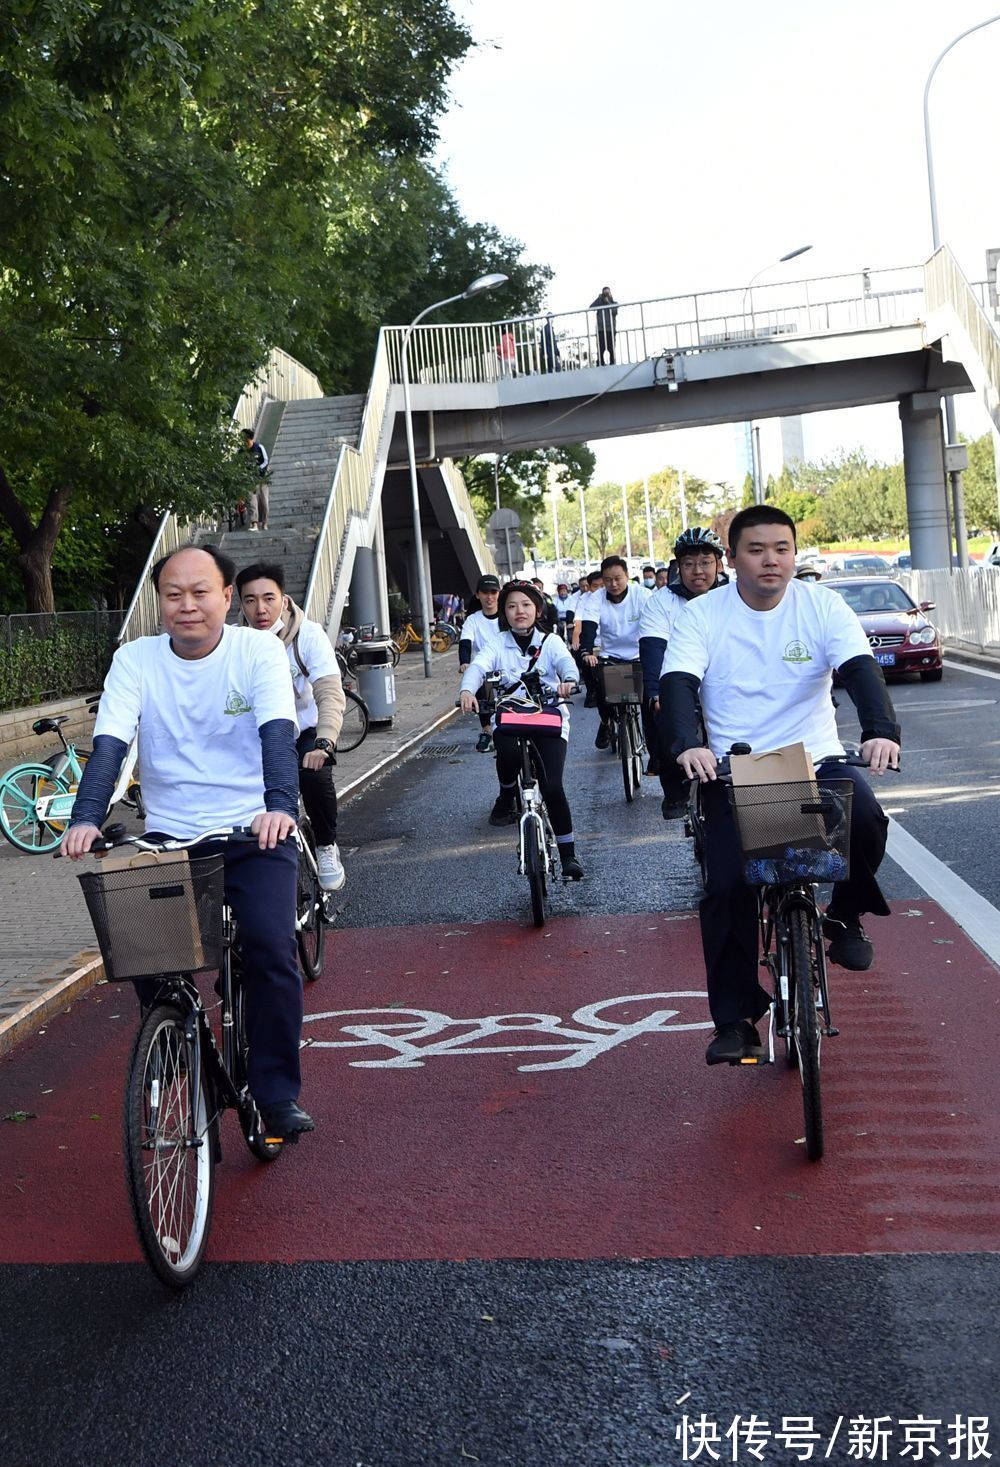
x=861, y=565
x=992, y=556
x=899, y=633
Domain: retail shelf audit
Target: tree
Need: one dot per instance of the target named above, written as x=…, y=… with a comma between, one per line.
x=524, y=480
x=980, y=484
x=180, y=188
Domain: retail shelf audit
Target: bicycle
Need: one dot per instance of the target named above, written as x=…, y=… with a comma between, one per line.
x=347, y=646
x=354, y=729
x=407, y=636
x=36, y=799
x=537, y=853
x=621, y=690
x=312, y=914
x=163, y=922
x=793, y=837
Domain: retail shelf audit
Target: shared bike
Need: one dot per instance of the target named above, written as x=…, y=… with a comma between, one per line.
x=36, y=798
x=159, y=924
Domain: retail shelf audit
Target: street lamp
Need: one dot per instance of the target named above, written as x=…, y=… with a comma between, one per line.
x=961, y=539
x=481, y=284
x=792, y=255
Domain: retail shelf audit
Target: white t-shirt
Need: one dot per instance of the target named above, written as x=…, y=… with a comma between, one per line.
x=766, y=675
x=316, y=651
x=618, y=623
x=199, y=749
x=661, y=610
x=554, y=665
x=566, y=604
x=481, y=630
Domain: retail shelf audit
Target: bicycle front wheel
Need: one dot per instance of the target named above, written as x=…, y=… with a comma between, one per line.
x=805, y=1024
x=170, y=1143
x=310, y=928
x=354, y=728
x=534, y=869
x=20, y=822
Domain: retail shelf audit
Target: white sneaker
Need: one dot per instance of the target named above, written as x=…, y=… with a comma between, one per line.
x=331, y=873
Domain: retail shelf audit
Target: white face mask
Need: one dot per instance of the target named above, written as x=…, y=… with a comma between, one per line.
x=649, y=580
x=276, y=626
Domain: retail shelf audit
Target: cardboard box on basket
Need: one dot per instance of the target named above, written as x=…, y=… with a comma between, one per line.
x=169, y=939
x=769, y=824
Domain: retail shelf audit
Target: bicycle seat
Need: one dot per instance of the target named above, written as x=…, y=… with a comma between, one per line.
x=49, y=725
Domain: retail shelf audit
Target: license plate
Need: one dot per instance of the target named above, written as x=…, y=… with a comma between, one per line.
x=885, y=659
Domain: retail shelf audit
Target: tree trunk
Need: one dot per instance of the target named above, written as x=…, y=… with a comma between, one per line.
x=36, y=542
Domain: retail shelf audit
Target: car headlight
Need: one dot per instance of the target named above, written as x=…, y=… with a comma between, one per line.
x=923, y=638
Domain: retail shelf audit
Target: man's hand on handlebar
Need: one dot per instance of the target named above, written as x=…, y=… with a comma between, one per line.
x=78, y=840
x=566, y=690
x=470, y=703
x=880, y=755
x=271, y=827
x=698, y=764
x=590, y=658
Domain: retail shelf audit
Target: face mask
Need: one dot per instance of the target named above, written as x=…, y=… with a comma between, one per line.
x=276, y=626
x=648, y=581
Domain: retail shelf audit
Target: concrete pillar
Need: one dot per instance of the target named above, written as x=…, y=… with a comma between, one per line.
x=364, y=588
x=381, y=573
x=923, y=468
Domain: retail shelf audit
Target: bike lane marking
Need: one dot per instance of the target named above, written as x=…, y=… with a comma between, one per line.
x=496, y=1092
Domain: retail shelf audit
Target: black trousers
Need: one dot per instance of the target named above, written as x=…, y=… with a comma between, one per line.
x=318, y=793
x=728, y=910
x=605, y=345
x=549, y=753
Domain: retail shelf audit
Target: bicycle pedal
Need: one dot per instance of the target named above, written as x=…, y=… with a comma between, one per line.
x=752, y=1059
x=278, y=1140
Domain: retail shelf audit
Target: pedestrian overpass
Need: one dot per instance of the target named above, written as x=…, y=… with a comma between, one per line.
x=341, y=498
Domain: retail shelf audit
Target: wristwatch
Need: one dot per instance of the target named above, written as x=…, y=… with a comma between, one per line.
x=323, y=744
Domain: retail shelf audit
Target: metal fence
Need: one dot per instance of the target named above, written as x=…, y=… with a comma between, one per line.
x=53, y=655
x=966, y=605
x=712, y=320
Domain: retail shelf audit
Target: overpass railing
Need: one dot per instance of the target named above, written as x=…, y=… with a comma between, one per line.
x=947, y=289
x=715, y=320
x=966, y=605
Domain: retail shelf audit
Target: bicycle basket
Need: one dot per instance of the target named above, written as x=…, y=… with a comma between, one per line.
x=620, y=682
x=793, y=832
x=540, y=722
x=155, y=919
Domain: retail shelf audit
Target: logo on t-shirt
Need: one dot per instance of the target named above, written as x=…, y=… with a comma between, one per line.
x=237, y=704
x=797, y=652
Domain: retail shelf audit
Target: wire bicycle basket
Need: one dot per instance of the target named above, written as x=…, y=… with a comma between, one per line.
x=158, y=917
x=793, y=831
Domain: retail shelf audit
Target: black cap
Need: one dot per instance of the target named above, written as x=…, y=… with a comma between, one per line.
x=488, y=583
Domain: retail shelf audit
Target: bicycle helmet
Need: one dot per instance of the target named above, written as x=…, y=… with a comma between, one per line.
x=526, y=589
x=696, y=539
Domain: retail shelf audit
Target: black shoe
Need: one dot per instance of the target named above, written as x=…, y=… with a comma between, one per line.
x=485, y=742
x=590, y=701
x=672, y=809
x=603, y=739
x=732, y=1043
x=285, y=1121
x=849, y=944
x=503, y=812
x=571, y=868
x=653, y=767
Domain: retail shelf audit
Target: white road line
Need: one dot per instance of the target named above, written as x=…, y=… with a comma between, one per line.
x=368, y=774
x=973, y=913
x=967, y=667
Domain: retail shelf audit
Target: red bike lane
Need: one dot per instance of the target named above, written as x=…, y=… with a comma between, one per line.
x=493, y=1092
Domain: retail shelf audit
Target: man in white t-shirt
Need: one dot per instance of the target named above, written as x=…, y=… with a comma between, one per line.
x=319, y=702
x=613, y=615
x=759, y=655
x=215, y=715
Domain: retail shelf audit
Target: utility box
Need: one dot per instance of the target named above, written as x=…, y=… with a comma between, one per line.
x=956, y=458
x=376, y=679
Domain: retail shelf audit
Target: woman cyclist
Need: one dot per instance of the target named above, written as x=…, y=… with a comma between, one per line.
x=698, y=553
x=481, y=629
x=523, y=647
x=615, y=612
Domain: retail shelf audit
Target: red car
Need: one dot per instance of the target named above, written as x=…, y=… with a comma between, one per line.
x=899, y=634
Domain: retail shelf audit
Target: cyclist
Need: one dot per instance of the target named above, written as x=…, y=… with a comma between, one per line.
x=649, y=577
x=319, y=702
x=549, y=619
x=699, y=554
x=592, y=584
x=565, y=604
x=481, y=629
x=524, y=647
x=614, y=612
x=215, y=714
x=760, y=656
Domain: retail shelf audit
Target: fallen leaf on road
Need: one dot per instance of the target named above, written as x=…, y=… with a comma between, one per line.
x=17, y=1116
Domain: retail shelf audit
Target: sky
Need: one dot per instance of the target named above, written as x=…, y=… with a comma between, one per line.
x=665, y=147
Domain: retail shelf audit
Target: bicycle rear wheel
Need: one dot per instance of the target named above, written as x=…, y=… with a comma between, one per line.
x=310, y=929
x=170, y=1133
x=20, y=823
x=534, y=869
x=354, y=729
x=805, y=1024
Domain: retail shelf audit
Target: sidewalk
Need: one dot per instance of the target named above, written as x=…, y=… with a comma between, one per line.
x=47, y=950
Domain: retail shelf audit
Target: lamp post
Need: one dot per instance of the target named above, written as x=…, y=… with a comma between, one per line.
x=477, y=287
x=958, y=499
x=792, y=255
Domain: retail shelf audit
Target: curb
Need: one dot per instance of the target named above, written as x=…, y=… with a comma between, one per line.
x=86, y=968
x=72, y=979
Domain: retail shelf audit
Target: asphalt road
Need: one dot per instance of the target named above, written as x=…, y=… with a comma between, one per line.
x=532, y=1226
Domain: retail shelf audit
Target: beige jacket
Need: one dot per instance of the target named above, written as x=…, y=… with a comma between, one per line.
x=328, y=691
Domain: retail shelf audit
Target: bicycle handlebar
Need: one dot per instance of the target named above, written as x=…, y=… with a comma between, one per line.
x=851, y=757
